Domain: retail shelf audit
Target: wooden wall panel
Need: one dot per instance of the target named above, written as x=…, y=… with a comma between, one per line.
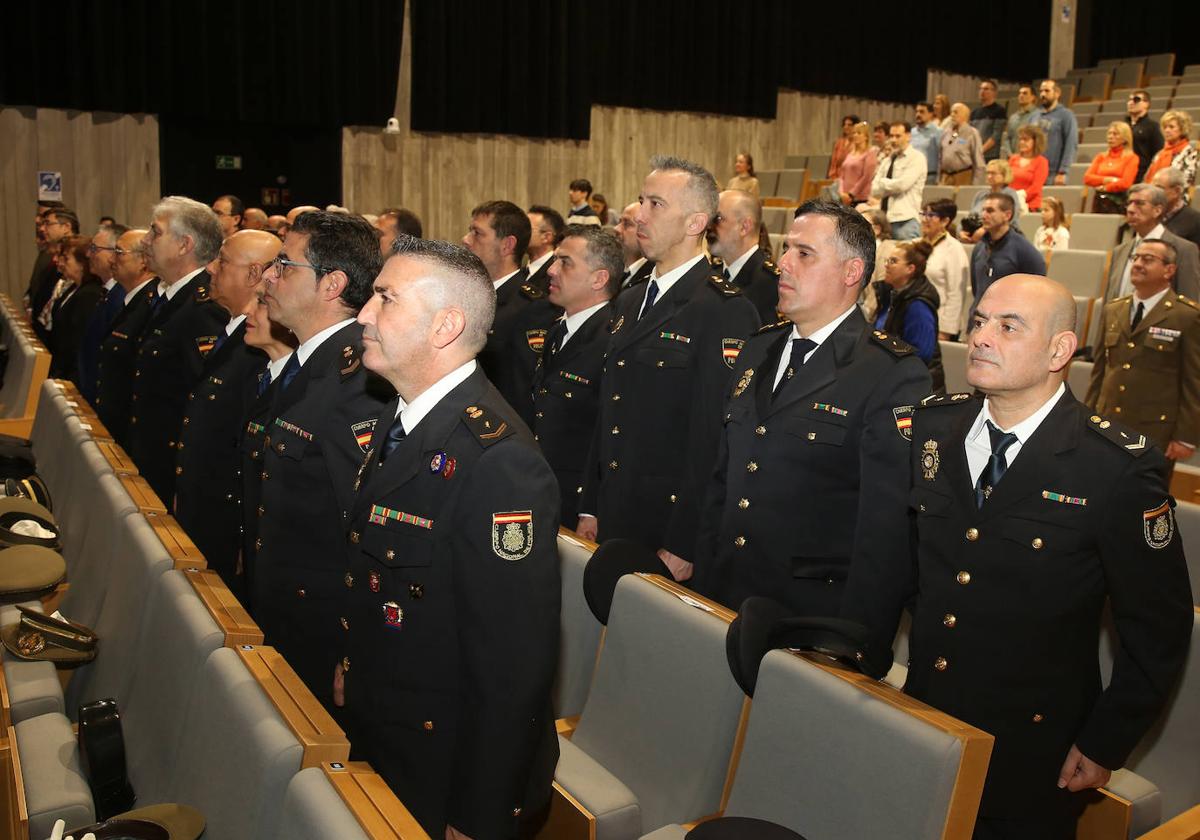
x=109, y=164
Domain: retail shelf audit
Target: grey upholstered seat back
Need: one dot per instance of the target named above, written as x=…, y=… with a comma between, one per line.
x=1187, y=514
x=663, y=709
x=313, y=810
x=90, y=542
x=579, y=639
x=829, y=760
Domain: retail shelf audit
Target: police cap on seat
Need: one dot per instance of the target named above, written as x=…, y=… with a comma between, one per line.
x=614, y=559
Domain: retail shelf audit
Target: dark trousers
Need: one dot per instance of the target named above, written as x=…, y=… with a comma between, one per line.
x=1057, y=824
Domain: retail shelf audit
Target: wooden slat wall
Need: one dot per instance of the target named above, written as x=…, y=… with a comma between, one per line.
x=109, y=164
x=957, y=87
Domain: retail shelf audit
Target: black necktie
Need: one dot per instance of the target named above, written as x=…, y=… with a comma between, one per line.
x=996, y=465
x=651, y=294
x=725, y=273
x=1137, y=315
x=156, y=302
x=289, y=371
x=626, y=277
x=394, y=435
x=800, y=349
x=220, y=340
x=264, y=381
x=883, y=205
x=557, y=334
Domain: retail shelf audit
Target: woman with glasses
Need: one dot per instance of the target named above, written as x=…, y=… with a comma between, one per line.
x=907, y=305
x=1177, y=151
x=77, y=298
x=1112, y=173
x=947, y=267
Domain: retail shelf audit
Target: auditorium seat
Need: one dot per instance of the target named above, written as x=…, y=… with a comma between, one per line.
x=1187, y=516
x=1085, y=110
x=53, y=781
x=777, y=219
x=1083, y=272
x=346, y=801
x=954, y=362
x=793, y=162
x=235, y=623
x=1095, y=231
x=1094, y=134
x=818, y=166
x=1188, y=87
x=1083, y=310
x=1159, y=65
x=936, y=192
x=791, y=185
x=862, y=760
x=1094, y=86
x=656, y=737
x=768, y=179
x=1072, y=197
x=1029, y=224
x=1088, y=151
x=1189, y=103
x=1079, y=375
x=966, y=196
x=579, y=642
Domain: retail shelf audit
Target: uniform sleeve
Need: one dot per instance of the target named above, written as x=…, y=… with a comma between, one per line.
x=883, y=562
x=735, y=319
x=506, y=593
x=1147, y=582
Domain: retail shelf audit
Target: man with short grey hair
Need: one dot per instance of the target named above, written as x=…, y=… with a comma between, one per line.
x=454, y=523
x=184, y=237
x=1179, y=218
x=1144, y=215
x=103, y=260
x=733, y=237
x=674, y=344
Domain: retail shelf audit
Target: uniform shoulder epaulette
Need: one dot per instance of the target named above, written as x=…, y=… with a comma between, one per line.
x=725, y=288
x=532, y=292
x=935, y=400
x=771, y=267
x=1187, y=301
x=778, y=325
x=487, y=426
x=351, y=360
x=892, y=344
x=715, y=261
x=202, y=293
x=1135, y=443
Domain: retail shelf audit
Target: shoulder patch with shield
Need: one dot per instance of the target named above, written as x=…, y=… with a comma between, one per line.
x=1159, y=525
x=536, y=340
x=730, y=348
x=903, y=415
x=362, y=434
x=512, y=534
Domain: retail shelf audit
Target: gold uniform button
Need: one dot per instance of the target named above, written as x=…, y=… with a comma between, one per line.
x=264, y=475
x=416, y=591
x=1162, y=417
x=345, y=664
x=743, y=503
x=261, y=510
x=1037, y=543
x=752, y=467
x=760, y=431
x=659, y=363
x=1130, y=345
x=616, y=397
x=620, y=363
x=1126, y=366
x=258, y=543
x=1037, y=718
x=616, y=430
x=355, y=537
x=1117, y=410
x=349, y=579
x=390, y=554
x=949, y=619
x=300, y=593
x=673, y=498
x=739, y=542
x=1120, y=387
x=279, y=447
x=428, y=726
x=179, y=471
x=187, y=420
x=940, y=664
x=963, y=577
x=345, y=624
x=539, y=415
x=972, y=534
x=612, y=465
x=812, y=435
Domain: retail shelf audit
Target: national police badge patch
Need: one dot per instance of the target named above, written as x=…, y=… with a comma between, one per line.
x=362, y=434
x=536, y=339
x=512, y=534
x=730, y=348
x=1159, y=525
x=903, y=415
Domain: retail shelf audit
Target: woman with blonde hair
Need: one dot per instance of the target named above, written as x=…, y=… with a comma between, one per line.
x=1053, y=235
x=858, y=167
x=1177, y=150
x=941, y=110
x=1112, y=173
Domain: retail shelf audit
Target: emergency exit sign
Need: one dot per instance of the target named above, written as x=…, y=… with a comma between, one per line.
x=229, y=162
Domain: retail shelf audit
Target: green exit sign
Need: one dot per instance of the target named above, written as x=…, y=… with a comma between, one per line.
x=229, y=161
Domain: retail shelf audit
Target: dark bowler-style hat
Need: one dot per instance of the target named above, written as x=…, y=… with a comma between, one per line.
x=154, y=822
x=739, y=828
x=608, y=564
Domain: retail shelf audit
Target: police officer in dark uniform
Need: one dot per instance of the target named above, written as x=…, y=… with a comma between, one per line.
x=637, y=268
x=733, y=237
x=259, y=394
x=208, y=485
x=811, y=407
x=546, y=228
x=321, y=423
x=1031, y=512
x=118, y=350
x=450, y=598
x=183, y=329
x=499, y=235
x=566, y=385
x=674, y=345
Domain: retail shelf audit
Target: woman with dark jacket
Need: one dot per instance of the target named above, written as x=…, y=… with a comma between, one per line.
x=74, y=306
x=907, y=305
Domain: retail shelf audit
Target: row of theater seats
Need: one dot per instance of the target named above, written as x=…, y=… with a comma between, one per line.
x=211, y=718
x=26, y=367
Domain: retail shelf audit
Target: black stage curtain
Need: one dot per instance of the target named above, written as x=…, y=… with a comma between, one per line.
x=535, y=67
x=300, y=62
x=1117, y=30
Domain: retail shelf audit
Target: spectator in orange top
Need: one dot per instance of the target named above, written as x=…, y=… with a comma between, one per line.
x=1177, y=150
x=1112, y=173
x=842, y=146
x=1029, y=165
x=858, y=167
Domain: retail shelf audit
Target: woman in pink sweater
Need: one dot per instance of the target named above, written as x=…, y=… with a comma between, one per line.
x=858, y=167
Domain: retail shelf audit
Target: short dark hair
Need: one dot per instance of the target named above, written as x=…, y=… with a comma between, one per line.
x=1004, y=199
x=582, y=185
x=116, y=229
x=236, y=206
x=1027, y=86
x=1171, y=251
x=882, y=125
x=65, y=215
x=603, y=251
x=337, y=241
x=854, y=120
x=107, y=220
x=853, y=233
x=507, y=219
x=992, y=82
x=49, y=204
x=406, y=221
x=944, y=208
x=907, y=126
x=1142, y=92
x=552, y=218
x=928, y=106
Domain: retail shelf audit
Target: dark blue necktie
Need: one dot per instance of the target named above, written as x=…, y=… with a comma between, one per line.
x=156, y=302
x=394, y=435
x=800, y=349
x=289, y=371
x=557, y=333
x=220, y=340
x=651, y=294
x=264, y=381
x=996, y=466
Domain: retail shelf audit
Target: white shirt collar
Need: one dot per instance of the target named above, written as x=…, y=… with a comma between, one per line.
x=574, y=322
x=496, y=284
x=276, y=367
x=1157, y=233
x=536, y=265
x=412, y=413
x=635, y=266
x=233, y=324
x=309, y=347
x=735, y=267
x=109, y=283
x=132, y=293
x=170, y=291
x=666, y=281
x=979, y=442
x=1149, y=302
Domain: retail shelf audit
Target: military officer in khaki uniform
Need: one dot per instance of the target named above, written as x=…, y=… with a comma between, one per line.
x=1147, y=370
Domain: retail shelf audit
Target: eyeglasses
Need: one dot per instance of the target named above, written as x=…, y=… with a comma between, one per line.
x=279, y=264
x=93, y=249
x=894, y=260
x=1147, y=258
x=1137, y=99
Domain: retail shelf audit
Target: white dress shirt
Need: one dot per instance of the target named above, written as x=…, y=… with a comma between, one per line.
x=1148, y=303
x=170, y=291
x=233, y=324
x=132, y=293
x=536, y=265
x=276, y=367
x=666, y=281
x=903, y=189
x=818, y=337
x=309, y=347
x=979, y=441
x=412, y=413
x=574, y=322
x=496, y=284
x=735, y=267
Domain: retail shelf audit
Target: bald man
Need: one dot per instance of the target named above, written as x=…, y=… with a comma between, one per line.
x=254, y=219
x=296, y=211
x=962, y=149
x=118, y=349
x=208, y=485
x=733, y=236
x=1031, y=512
x=637, y=267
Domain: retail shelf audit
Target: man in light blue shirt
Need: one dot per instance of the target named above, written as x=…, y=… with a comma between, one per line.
x=1062, y=132
x=927, y=139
